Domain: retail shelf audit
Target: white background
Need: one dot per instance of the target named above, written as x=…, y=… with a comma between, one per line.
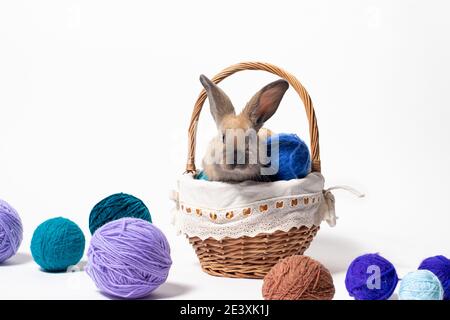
x=95, y=98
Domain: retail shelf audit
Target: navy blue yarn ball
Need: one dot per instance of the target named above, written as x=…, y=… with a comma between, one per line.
x=57, y=244
x=294, y=161
x=440, y=266
x=117, y=206
x=371, y=277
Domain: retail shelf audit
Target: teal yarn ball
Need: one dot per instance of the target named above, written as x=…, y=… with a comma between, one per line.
x=202, y=176
x=421, y=285
x=57, y=244
x=117, y=206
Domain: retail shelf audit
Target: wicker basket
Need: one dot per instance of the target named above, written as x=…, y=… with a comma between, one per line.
x=252, y=257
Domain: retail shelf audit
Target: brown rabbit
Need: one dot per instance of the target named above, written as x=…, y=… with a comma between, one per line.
x=234, y=155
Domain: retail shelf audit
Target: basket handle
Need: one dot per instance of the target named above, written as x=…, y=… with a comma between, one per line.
x=313, y=129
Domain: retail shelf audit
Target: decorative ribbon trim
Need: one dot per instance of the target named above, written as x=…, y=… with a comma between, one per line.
x=346, y=188
x=330, y=214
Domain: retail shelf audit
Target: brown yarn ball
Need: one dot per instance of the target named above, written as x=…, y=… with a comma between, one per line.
x=298, y=278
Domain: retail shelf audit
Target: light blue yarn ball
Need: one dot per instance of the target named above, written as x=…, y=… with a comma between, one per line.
x=421, y=285
x=57, y=244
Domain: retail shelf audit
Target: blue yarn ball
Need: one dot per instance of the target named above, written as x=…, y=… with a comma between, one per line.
x=293, y=161
x=201, y=176
x=371, y=277
x=117, y=206
x=57, y=244
x=440, y=266
x=420, y=285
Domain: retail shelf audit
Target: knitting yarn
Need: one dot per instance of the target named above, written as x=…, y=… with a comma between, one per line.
x=298, y=278
x=128, y=258
x=11, y=231
x=440, y=266
x=371, y=277
x=293, y=159
x=202, y=176
x=57, y=244
x=116, y=206
x=420, y=285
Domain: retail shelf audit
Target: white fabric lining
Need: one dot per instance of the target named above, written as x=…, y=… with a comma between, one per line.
x=203, y=207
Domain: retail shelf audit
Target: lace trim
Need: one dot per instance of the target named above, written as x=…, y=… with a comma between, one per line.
x=219, y=210
x=266, y=216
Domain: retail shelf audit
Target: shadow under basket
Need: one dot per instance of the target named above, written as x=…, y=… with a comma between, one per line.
x=251, y=257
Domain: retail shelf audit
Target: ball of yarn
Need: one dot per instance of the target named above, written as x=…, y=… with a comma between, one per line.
x=128, y=258
x=57, y=244
x=371, y=277
x=116, y=206
x=293, y=160
x=11, y=231
x=420, y=285
x=298, y=278
x=440, y=266
x=202, y=176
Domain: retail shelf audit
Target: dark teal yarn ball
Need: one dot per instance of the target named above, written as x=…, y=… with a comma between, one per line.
x=117, y=206
x=57, y=244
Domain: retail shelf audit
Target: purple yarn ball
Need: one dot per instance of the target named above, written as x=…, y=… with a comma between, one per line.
x=371, y=277
x=440, y=266
x=11, y=231
x=128, y=258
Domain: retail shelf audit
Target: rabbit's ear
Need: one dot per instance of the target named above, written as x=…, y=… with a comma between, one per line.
x=265, y=102
x=219, y=102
